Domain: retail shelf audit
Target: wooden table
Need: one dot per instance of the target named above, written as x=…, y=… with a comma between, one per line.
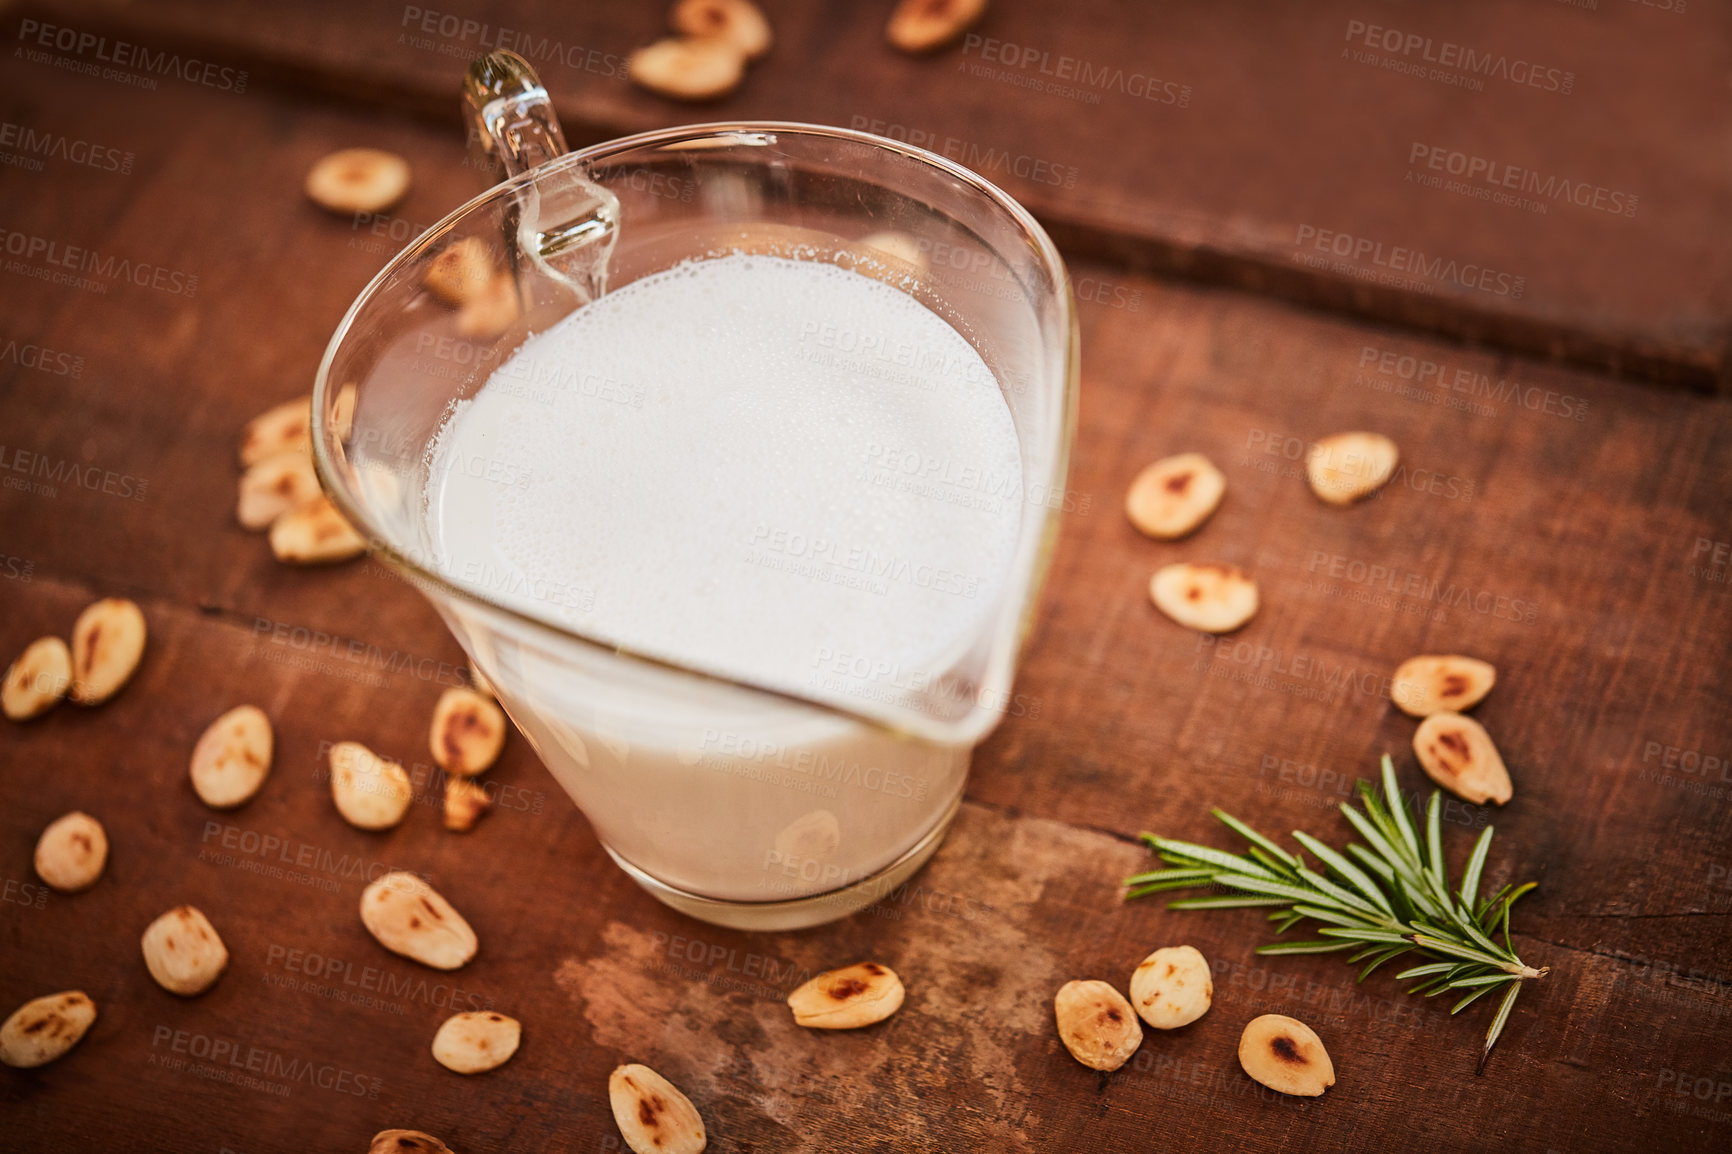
x=1570, y=527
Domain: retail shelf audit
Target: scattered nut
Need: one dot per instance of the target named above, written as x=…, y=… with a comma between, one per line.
x=468, y=732
x=476, y=1041
x=739, y=22
x=1427, y=685
x=409, y=917
x=107, y=642
x=370, y=791
x=183, y=952
x=232, y=758
x=71, y=852
x=1347, y=467
x=315, y=534
x=358, y=180
x=1096, y=1024
x=919, y=26
x=277, y=430
x=406, y=1142
x=1208, y=596
x=37, y=681
x=1458, y=754
x=652, y=1115
x=490, y=311
x=847, y=999
x=274, y=486
x=1286, y=1055
x=688, y=69
x=1173, y=987
x=465, y=802
x=1175, y=495
x=460, y=272
x=44, y=1028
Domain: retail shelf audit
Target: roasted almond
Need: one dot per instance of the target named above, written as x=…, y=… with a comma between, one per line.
x=44, y=1028
x=183, y=952
x=277, y=430
x=652, y=1115
x=460, y=272
x=918, y=26
x=406, y=1142
x=490, y=311
x=476, y=1041
x=1286, y=1055
x=37, y=681
x=739, y=22
x=689, y=68
x=465, y=802
x=315, y=534
x=107, y=642
x=468, y=732
x=355, y=180
x=847, y=999
x=71, y=852
x=1348, y=467
x=274, y=486
x=1096, y=1024
x=1206, y=596
x=1172, y=987
x=1427, y=685
x=1458, y=754
x=371, y=792
x=1175, y=495
x=407, y=916
x=232, y=757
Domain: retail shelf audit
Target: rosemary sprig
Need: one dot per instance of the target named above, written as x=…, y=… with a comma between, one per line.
x=1384, y=899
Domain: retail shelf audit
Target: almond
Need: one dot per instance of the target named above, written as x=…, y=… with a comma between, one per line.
x=407, y=916
x=107, y=642
x=1096, y=1024
x=274, y=486
x=1427, y=685
x=232, y=757
x=688, y=68
x=468, y=732
x=461, y=272
x=406, y=1142
x=355, y=180
x=44, y=1028
x=1286, y=1055
x=849, y=998
x=476, y=1041
x=37, y=681
x=490, y=311
x=71, y=852
x=1348, y=467
x=739, y=22
x=919, y=26
x=277, y=430
x=1172, y=987
x=652, y=1115
x=465, y=802
x=370, y=791
x=1175, y=495
x=1206, y=596
x=315, y=534
x=1458, y=754
x=183, y=952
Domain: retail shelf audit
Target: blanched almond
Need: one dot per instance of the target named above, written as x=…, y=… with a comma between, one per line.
x=71, y=852
x=468, y=732
x=107, y=642
x=461, y=271
x=1286, y=1055
x=407, y=916
x=183, y=952
x=274, y=486
x=1172, y=987
x=476, y=1040
x=37, y=681
x=1458, y=754
x=232, y=758
x=358, y=180
x=277, y=430
x=1347, y=467
x=406, y=1142
x=1427, y=685
x=922, y=25
x=490, y=311
x=44, y=1028
x=1206, y=596
x=652, y=1115
x=1175, y=495
x=465, y=802
x=739, y=22
x=315, y=534
x=688, y=68
x=849, y=998
x=1096, y=1024
x=370, y=792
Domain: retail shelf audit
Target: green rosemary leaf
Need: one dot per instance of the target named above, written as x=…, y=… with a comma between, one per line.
x=1158, y=888
x=1204, y=856
x=1359, y=935
x=1382, y=956
x=1498, y=1023
x=1456, y=950
x=1254, y=837
x=1434, y=843
x=1475, y=865
x=1425, y=970
x=1332, y=917
x=1223, y=903
x=1341, y=896
x=1398, y=808
x=1346, y=869
x=1370, y=860
x=1303, y=947
x=1276, y=866
x=1486, y=980
x=1473, y=996
x=1288, y=920
x=1202, y=875
x=1292, y=893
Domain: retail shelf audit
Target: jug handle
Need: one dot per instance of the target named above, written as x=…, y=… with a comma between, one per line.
x=511, y=119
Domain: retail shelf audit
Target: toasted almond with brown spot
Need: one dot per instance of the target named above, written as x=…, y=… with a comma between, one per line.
x=274, y=486
x=1207, y=596
x=354, y=180
x=918, y=26
x=465, y=802
x=409, y=917
x=468, y=732
x=689, y=68
x=406, y=1142
x=371, y=792
x=461, y=272
x=476, y=1041
x=490, y=311
x=1096, y=1024
x=44, y=1028
x=71, y=852
x=232, y=757
x=1348, y=467
x=277, y=430
x=1458, y=754
x=37, y=681
x=739, y=22
x=1175, y=495
x=652, y=1115
x=315, y=534
x=849, y=998
x=1427, y=685
x=183, y=952
x=1286, y=1055
x=1172, y=987
x=107, y=643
